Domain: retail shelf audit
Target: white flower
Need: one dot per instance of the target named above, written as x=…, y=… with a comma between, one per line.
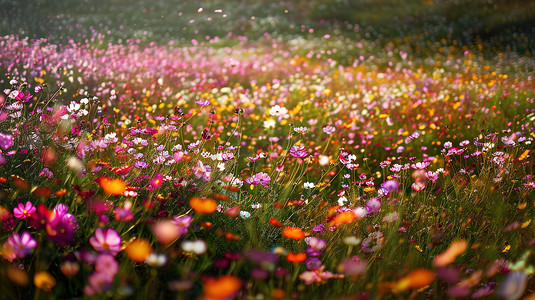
x=156, y=260
x=198, y=247
x=342, y=200
x=300, y=129
x=309, y=185
x=269, y=123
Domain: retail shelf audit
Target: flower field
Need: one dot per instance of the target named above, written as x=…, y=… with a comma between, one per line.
x=270, y=152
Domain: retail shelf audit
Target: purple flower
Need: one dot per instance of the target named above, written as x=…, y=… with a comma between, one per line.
x=298, y=151
x=141, y=164
x=328, y=129
x=22, y=244
x=373, y=205
x=182, y=223
x=390, y=185
x=319, y=228
x=313, y=263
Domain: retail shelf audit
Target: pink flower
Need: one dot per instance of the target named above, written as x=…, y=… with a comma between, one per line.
x=24, y=211
x=259, y=178
x=107, y=265
x=22, y=245
x=203, y=102
x=328, y=129
x=107, y=241
x=298, y=151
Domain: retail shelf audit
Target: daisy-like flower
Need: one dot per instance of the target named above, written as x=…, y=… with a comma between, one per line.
x=309, y=185
x=373, y=242
x=300, y=129
x=259, y=178
x=328, y=129
x=22, y=245
x=203, y=102
x=298, y=151
x=279, y=111
x=107, y=241
x=390, y=185
x=23, y=211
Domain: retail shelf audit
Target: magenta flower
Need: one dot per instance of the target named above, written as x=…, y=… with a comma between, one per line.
x=22, y=245
x=259, y=178
x=157, y=181
x=203, y=102
x=24, y=211
x=107, y=241
x=298, y=151
x=6, y=141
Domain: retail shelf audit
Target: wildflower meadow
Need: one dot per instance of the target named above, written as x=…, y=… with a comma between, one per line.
x=313, y=149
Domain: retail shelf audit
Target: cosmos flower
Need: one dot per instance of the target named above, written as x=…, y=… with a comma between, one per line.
x=23, y=211
x=298, y=151
x=22, y=245
x=373, y=242
x=107, y=241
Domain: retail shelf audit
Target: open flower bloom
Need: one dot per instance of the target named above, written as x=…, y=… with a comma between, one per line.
x=22, y=245
x=107, y=241
x=298, y=151
x=23, y=211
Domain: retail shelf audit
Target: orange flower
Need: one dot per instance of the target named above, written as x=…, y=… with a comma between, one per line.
x=203, y=205
x=44, y=281
x=275, y=222
x=221, y=287
x=447, y=257
x=278, y=294
x=18, y=276
x=61, y=192
x=293, y=233
x=344, y=218
x=111, y=186
x=231, y=236
x=296, y=257
x=231, y=188
x=220, y=197
x=415, y=279
x=138, y=250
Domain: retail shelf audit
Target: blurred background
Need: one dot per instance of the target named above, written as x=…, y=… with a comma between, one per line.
x=421, y=26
